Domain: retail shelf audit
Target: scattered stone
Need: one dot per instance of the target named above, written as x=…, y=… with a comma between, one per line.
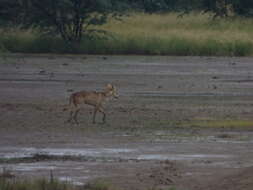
x=224, y=136
x=42, y=72
x=232, y=63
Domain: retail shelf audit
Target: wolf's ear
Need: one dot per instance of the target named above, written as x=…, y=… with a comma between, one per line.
x=109, y=86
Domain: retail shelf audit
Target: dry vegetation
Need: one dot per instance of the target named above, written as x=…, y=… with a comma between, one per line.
x=192, y=34
x=152, y=34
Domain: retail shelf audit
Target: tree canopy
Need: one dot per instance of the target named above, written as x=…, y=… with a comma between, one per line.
x=71, y=19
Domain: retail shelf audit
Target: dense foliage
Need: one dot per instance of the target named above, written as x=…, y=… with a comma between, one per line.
x=72, y=19
x=220, y=8
x=69, y=18
x=224, y=8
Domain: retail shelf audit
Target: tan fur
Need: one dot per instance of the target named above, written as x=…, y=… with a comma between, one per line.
x=95, y=99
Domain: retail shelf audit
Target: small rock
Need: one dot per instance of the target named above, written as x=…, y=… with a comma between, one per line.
x=42, y=72
x=232, y=63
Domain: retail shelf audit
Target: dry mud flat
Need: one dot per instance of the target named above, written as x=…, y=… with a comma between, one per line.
x=183, y=122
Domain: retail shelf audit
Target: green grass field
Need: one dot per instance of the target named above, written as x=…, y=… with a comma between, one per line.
x=148, y=34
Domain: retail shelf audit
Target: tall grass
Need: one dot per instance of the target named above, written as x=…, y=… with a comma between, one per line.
x=156, y=34
x=44, y=184
x=41, y=184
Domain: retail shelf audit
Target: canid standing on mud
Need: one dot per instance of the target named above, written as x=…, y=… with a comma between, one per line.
x=95, y=99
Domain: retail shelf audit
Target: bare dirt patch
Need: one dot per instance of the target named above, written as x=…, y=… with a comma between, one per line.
x=183, y=122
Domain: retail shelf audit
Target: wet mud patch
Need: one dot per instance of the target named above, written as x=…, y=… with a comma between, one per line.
x=240, y=180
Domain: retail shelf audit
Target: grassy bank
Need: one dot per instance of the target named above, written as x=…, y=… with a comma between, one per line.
x=34, y=185
x=44, y=184
x=154, y=34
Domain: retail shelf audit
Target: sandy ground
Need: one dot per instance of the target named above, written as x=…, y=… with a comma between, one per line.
x=183, y=122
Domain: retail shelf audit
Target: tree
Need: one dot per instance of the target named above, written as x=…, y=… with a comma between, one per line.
x=69, y=18
x=243, y=7
x=10, y=12
x=224, y=8
x=152, y=6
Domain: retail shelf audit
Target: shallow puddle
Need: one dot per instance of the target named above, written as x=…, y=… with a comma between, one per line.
x=11, y=152
x=180, y=156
